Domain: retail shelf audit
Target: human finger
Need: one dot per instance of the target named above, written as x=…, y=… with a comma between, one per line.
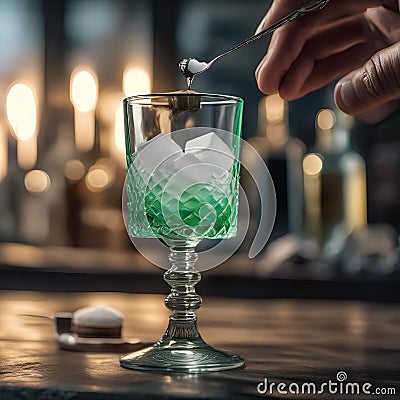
x=293, y=46
x=335, y=9
x=376, y=82
x=274, y=65
x=331, y=53
x=315, y=74
x=294, y=51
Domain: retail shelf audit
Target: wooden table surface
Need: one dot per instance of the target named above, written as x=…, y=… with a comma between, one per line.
x=282, y=340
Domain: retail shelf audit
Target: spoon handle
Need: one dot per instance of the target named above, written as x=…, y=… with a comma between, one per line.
x=283, y=21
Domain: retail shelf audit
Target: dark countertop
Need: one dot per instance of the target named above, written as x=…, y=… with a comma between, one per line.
x=287, y=341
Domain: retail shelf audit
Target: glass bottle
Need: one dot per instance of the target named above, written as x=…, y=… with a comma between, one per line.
x=334, y=184
x=283, y=155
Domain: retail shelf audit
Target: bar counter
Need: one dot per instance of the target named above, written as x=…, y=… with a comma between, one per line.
x=283, y=341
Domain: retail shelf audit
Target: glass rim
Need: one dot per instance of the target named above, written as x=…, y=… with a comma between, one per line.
x=224, y=98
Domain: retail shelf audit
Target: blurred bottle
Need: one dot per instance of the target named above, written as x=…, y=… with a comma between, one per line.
x=283, y=156
x=94, y=186
x=334, y=184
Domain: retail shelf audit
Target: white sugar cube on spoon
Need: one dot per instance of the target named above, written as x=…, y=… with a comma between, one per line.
x=195, y=66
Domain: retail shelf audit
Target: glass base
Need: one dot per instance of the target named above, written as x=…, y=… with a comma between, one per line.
x=182, y=349
x=185, y=357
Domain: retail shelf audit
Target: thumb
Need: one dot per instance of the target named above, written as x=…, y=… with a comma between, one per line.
x=375, y=83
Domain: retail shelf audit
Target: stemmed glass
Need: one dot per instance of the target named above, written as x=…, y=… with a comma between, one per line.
x=182, y=184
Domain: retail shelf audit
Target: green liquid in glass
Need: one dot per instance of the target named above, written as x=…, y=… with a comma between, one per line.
x=159, y=208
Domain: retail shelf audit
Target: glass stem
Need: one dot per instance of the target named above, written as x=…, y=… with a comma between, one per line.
x=183, y=300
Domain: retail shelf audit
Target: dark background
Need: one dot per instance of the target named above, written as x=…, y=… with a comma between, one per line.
x=42, y=41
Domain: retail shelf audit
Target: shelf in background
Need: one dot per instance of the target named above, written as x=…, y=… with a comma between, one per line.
x=67, y=269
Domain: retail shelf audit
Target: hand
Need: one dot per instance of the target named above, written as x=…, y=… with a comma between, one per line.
x=355, y=40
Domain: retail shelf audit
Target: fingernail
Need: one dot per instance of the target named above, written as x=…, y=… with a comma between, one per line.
x=257, y=72
x=348, y=95
x=258, y=69
x=261, y=64
x=260, y=27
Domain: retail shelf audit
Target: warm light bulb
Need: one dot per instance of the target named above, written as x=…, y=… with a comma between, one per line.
x=136, y=80
x=84, y=90
x=74, y=169
x=326, y=119
x=21, y=111
x=37, y=181
x=312, y=164
x=274, y=108
x=99, y=178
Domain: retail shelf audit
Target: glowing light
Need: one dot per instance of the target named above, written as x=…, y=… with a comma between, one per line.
x=84, y=90
x=326, y=119
x=136, y=80
x=274, y=108
x=74, y=169
x=22, y=115
x=312, y=164
x=21, y=111
x=99, y=178
x=37, y=181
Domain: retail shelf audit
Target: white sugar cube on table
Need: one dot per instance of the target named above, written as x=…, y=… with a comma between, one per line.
x=209, y=148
